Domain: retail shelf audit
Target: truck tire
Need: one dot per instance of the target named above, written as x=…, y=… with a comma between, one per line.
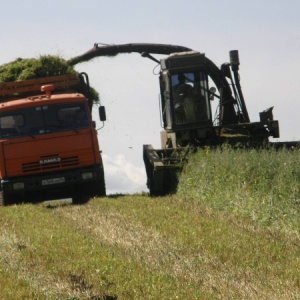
x=88, y=190
x=1, y=199
x=96, y=188
x=4, y=199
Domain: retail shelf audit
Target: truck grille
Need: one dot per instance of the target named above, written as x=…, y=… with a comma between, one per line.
x=36, y=166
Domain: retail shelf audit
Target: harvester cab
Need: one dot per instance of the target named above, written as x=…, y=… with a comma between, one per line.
x=186, y=108
x=185, y=100
x=188, y=120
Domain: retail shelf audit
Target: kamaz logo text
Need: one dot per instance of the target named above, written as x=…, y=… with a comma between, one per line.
x=50, y=160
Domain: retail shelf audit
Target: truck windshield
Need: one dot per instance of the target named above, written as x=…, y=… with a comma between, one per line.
x=190, y=97
x=43, y=119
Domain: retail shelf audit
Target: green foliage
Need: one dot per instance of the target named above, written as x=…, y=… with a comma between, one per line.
x=263, y=185
x=44, y=66
x=31, y=68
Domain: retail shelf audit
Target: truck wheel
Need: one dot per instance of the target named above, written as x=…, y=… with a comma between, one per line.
x=1, y=199
x=97, y=188
x=92, y=189
x=4, y=199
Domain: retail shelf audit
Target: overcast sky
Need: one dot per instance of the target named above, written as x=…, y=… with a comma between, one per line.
x=266, y=33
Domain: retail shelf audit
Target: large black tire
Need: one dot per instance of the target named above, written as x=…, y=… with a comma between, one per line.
x=98, y=189
x=94, y=188
x=2, y=203
x=5, y=199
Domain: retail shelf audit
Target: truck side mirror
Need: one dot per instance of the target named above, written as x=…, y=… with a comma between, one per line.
x=102, y=113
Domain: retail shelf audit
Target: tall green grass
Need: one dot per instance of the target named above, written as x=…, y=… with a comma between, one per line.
x=261, y=185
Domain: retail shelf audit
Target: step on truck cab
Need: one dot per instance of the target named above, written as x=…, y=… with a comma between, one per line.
x=48, y=141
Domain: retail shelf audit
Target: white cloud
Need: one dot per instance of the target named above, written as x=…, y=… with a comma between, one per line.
x=122, y=176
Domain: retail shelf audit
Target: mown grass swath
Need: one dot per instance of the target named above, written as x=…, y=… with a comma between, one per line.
x=230, y=232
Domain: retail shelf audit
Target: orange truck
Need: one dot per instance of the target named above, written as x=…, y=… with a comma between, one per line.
x=48, y=140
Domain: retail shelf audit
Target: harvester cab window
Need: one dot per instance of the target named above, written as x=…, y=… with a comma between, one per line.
x=190, y=97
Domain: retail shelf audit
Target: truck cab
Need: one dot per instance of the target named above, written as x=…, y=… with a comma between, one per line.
x=48, y=141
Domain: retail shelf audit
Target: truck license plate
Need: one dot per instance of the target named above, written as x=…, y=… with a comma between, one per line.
x=53, y=181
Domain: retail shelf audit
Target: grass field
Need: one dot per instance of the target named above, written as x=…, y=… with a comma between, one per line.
x=230, y=232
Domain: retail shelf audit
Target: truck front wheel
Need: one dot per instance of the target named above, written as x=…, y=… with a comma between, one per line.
x=96, y=188
x=5, y=199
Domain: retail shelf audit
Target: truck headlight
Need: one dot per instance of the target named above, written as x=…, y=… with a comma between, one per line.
x=18, y=186
x=87, y=175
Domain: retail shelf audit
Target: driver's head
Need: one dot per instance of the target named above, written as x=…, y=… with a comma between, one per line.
x=181, y=78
